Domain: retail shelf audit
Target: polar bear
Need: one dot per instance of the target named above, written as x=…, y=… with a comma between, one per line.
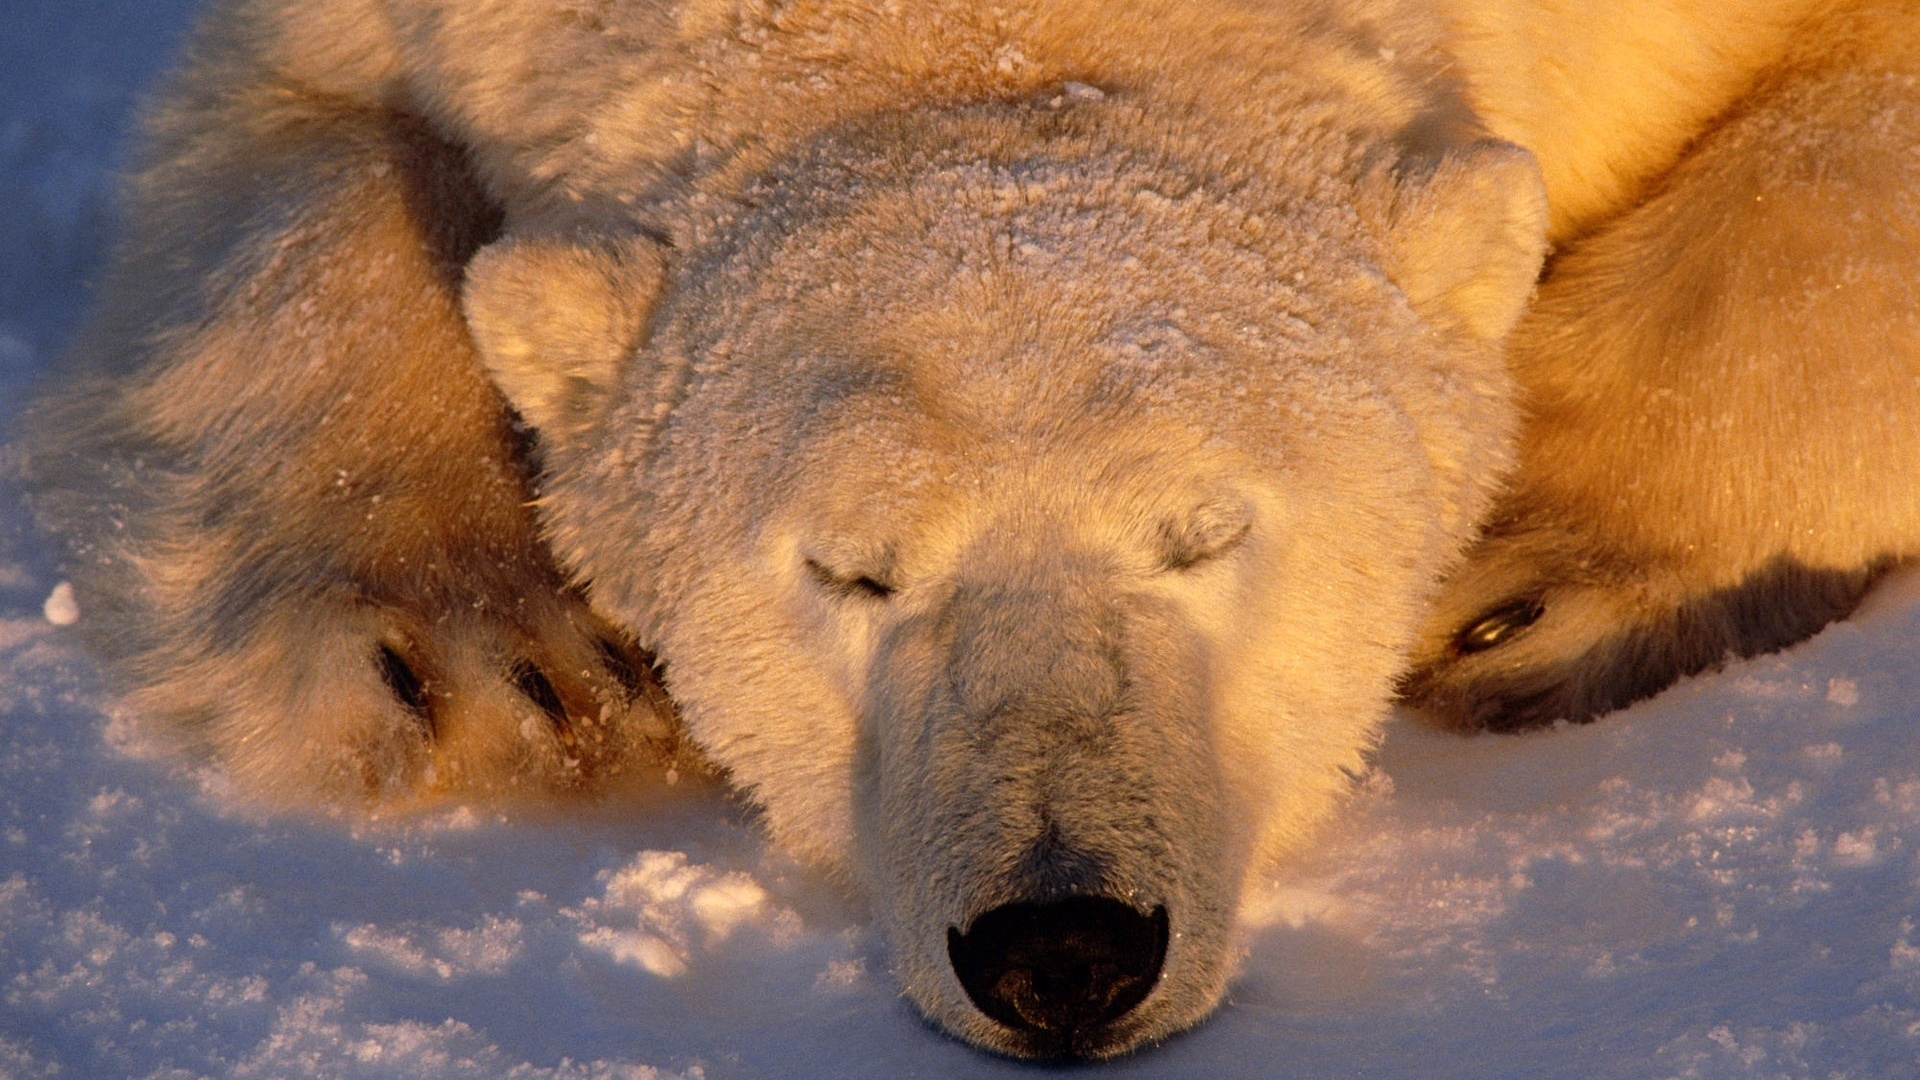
x=1018, y=445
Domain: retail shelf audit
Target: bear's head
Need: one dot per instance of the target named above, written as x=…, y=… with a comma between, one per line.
x=1030, y=516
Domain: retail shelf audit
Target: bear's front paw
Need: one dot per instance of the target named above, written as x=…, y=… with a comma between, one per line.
x=568, y=703
x=332, y=699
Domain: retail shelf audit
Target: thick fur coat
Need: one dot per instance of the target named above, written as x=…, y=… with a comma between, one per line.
x=1025, y=447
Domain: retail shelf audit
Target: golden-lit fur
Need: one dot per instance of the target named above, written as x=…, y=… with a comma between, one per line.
x=1030, y=436
x=279, y=457
x=1721, y=452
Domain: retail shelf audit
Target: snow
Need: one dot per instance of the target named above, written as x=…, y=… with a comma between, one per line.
x=61, y=609
x=1723, y=882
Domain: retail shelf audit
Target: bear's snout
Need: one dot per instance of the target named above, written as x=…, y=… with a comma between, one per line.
x=1060, y=971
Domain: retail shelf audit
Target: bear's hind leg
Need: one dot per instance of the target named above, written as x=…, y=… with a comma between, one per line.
x=1721, y=453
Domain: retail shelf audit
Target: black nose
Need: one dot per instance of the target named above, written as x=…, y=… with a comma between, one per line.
x=1060, y=968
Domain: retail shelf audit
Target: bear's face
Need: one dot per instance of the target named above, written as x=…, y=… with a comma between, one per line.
x=1033, y=545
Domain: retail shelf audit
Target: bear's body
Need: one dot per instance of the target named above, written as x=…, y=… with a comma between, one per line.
x=1720, y=381
x=1031, y=436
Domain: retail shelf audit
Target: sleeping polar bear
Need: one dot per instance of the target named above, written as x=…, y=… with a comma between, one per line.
x=1024, y=447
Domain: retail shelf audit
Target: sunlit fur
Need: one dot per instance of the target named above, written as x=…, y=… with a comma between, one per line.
x=1721, y=384
x=277, y=455
x=1029, y=435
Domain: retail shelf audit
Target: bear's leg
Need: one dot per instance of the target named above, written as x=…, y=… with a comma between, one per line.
x=1722, y=385
x=298, y=512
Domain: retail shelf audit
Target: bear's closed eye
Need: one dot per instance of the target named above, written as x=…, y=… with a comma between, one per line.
x=1206, y=535
x=850, y=584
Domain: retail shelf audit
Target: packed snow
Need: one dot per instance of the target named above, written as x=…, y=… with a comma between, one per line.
x=1722, y=882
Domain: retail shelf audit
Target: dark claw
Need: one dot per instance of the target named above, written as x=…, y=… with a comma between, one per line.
x=538, y=689
x=621, y=666
x=1498, y=626
x=407, y=686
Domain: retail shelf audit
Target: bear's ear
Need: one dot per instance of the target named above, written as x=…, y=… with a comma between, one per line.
x=1467, y=232
x=554, y=320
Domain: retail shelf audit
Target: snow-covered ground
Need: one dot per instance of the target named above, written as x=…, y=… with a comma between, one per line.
x=1724, y=882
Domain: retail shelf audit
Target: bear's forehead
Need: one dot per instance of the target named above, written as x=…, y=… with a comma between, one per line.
x=1097, y=242
x=974, y=311
x=1004, y=315
x=980, y=203
x=980, y=380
